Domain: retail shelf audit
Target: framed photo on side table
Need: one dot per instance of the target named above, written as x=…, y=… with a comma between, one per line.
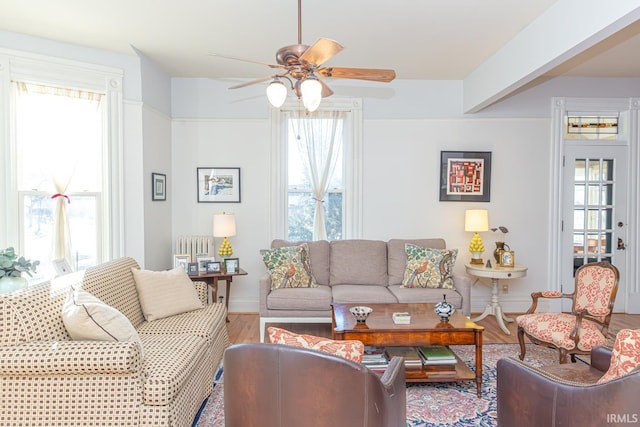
x=507, y=259
x=232, y=265
x=218, y=185
x=203, y=261
x=214, y=267
x=182, y=260
x=465, y=176
x=193, y=269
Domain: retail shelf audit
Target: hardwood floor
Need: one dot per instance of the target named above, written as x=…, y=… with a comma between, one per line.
x=244, y=327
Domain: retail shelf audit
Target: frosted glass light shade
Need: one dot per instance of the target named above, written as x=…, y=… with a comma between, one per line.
x=276, y=93
x=476, y=220
x=311, y=90
x=224, y=224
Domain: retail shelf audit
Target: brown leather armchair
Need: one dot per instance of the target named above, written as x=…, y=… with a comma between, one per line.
x=271, y=385
x=566, y=394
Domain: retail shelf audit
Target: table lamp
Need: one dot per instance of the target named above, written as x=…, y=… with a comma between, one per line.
x=476, y=220
x=224, y=225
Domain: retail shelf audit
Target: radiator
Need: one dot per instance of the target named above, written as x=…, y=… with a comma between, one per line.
x=195, y=245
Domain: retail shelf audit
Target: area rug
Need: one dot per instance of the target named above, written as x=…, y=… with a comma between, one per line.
x=435, y=404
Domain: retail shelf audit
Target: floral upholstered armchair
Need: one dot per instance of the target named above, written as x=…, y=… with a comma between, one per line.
x=586, y=326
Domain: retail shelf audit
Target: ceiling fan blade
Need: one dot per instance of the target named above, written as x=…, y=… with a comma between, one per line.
x=252, y=82
x=235, y=58
x=373, y=74
x=321, y=51
x=326, y=92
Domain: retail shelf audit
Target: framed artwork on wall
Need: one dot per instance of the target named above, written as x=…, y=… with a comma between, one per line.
x=218, y=185
x=465, y=176
x=158, y=186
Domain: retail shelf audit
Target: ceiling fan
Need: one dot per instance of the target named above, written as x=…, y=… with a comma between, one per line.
x=301, y=65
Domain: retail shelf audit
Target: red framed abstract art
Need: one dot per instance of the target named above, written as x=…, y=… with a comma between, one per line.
x=465, y=176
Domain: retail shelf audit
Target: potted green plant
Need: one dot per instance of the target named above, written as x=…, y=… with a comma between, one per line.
x=11, y=268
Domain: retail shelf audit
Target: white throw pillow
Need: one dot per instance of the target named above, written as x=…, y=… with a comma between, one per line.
x=165, y=293
x=88, y=318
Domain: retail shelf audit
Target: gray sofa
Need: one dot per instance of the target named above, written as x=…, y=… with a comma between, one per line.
x=353, y=271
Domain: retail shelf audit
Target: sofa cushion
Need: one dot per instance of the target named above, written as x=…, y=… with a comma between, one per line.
x=88, y=318
x=358, y=262
x=425, y=295
x=205, y=323
x=398, y=257
x=625, y=356
x=429, y=268
x=170, y=361
x=362, y=294
x=165, y=293
x=300, y=299
x=112, y=283
x=318, y=255
x=289, y=267
x=349, y=349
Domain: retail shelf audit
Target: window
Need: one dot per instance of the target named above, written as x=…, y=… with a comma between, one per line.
x=63, y=181
x=317, y=159
x=59, y=167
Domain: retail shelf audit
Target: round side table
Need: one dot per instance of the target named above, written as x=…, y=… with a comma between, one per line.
x=496, y=273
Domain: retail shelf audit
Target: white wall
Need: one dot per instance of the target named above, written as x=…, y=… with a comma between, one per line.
x=404, y=132
x=176, y=125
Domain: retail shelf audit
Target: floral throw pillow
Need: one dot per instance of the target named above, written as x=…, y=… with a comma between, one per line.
x=625, y=356
x=289, y=267
x=349, y=349
x=429, y=268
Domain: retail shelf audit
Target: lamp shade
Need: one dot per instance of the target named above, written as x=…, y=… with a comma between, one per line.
x=311, y=90
x=224, y=224
x=476, y=220
x=276, y=93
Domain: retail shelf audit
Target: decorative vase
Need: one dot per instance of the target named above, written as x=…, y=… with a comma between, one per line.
x=500, y=246
x=10, y=284
x=444, y=309
x=476, y=258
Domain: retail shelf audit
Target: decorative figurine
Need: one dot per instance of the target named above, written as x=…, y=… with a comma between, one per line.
x=488, y=263
x=444, y=309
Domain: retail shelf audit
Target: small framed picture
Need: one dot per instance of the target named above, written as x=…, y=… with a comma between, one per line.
x=182, y=260
x=61, y=266
x=158, y=186
x=232, y=265
x=218, y=185
x=203, y=260
x=214, y=267
x=507, y=259
x=193, y=269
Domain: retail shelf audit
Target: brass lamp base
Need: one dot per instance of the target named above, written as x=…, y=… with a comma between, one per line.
x=477, y=261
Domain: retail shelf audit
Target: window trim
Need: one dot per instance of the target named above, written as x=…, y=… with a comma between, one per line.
x=352, y=192
x=42, y=69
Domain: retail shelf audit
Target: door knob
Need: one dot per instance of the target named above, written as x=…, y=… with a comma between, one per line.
x=621, y=245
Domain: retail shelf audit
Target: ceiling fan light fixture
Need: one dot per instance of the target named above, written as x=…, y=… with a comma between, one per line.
x=311, y=91
x=276, y=92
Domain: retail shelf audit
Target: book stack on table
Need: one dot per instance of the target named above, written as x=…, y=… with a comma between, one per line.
x=375, y=359
x=411, y=357
x=438, y=359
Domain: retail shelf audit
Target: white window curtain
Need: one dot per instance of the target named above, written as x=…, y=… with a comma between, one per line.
x=320, y=142
x=62, y=166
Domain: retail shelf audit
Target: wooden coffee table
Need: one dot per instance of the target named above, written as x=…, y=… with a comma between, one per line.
x=425, y=329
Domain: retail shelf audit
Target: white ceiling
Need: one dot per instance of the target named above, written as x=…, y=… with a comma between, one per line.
x=420, y=39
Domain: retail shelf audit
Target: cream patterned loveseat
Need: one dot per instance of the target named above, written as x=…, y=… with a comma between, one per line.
x=46, y=378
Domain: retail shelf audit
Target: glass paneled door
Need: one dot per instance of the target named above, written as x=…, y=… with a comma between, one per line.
x=594, y=211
